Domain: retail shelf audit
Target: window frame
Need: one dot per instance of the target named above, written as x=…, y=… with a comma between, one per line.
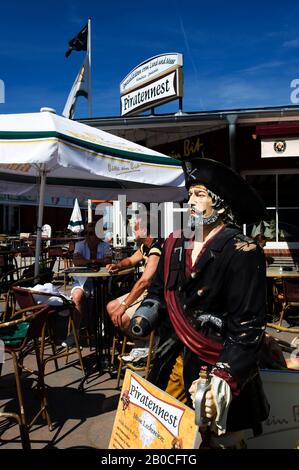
x=276, y=208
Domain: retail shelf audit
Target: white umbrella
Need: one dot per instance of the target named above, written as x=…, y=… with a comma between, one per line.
x=76, y=222
x=44, y=144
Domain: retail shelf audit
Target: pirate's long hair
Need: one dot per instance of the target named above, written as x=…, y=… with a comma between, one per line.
x=225, y=212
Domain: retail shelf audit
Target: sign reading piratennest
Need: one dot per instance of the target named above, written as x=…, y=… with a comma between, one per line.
x=148, y=417
x=152, y=83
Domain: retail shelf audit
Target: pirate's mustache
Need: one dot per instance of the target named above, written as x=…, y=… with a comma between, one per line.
x=197, y=212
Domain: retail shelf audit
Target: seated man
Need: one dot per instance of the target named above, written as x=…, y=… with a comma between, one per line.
x=122, y=309
x=91, y=251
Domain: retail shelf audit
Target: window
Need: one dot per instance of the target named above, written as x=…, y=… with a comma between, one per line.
x=280, y=193
x=11, y=219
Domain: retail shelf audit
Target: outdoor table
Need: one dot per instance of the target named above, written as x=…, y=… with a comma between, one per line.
x=281, y=272
x=62, y=240
x=9, y=241
x=274, y=275
x=103, y=325
x=9, y=259
x=53, y=240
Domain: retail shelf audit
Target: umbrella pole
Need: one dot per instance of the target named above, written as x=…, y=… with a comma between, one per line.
x=40, y=221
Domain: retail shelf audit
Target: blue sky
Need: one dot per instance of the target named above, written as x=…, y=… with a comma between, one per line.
x=236, y=54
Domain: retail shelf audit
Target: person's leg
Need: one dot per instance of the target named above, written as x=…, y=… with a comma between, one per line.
x=175, y=385
x=141, y=344
x=126, y=318
x=113, y=305
x=79, y=300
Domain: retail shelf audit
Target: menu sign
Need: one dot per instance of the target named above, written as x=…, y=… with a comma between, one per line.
x=149, y=418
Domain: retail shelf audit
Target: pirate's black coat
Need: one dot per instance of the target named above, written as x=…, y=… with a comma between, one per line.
x=225, y=300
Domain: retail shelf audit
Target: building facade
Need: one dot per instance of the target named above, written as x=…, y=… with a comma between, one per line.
x=261, y=144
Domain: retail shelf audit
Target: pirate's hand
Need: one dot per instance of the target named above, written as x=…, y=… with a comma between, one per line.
x=210, y=409
x=209, y=405
x=192, y=390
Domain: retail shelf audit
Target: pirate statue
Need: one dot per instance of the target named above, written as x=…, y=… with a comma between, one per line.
x=214, y=288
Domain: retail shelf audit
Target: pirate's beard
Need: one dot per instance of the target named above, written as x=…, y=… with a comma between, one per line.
x=198, y=218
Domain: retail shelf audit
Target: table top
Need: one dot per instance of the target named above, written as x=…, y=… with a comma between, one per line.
x=101, y=273
x=279, y=272
x=271, y=272
x=13, y=251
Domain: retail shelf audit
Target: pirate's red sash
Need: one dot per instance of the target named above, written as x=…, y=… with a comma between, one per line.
x=207, y=349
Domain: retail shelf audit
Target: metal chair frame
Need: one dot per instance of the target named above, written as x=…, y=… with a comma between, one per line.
x=24, y=297
x=290, y=295
x=136, y=368
x=36, y=316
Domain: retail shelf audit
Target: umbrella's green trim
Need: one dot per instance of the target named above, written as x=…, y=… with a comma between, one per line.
x=11, y=135
x=95, y=184
x=75, y=224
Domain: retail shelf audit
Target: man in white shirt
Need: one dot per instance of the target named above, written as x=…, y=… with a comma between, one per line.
x=89, y=252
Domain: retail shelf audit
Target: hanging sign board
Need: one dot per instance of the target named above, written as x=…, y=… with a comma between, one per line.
x=156, y=93
x=150, y=70
x=152, y=83
x=149, y=418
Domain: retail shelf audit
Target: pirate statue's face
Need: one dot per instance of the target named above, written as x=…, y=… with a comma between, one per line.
x=202, y=206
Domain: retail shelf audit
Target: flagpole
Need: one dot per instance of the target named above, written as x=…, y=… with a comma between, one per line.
x=89, y=66
x=41, y=204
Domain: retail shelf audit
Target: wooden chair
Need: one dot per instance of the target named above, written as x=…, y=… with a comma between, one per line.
x=25, y=298
x=27, y=252
x=25, y=275
x=24, y=278
x=8, y=262
x=17, y=334
x=130, y=365
x=117, y=345
x=55, y=252
x=46, y=272
x=8, y=278
x=9, y=306
x=290, y=295
x=68, y=252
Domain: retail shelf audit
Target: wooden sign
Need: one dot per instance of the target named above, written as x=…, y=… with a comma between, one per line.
x=149, y=418
x=281, y=428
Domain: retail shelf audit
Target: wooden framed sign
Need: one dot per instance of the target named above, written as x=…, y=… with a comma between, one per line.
x=149, y=418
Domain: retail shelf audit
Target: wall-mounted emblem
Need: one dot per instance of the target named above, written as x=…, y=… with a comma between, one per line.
x=279, y=146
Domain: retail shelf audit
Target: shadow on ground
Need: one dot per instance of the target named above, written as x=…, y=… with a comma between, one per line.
x=80, y=418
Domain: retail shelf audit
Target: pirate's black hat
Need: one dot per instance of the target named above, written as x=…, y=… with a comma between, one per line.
x=243, y=200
